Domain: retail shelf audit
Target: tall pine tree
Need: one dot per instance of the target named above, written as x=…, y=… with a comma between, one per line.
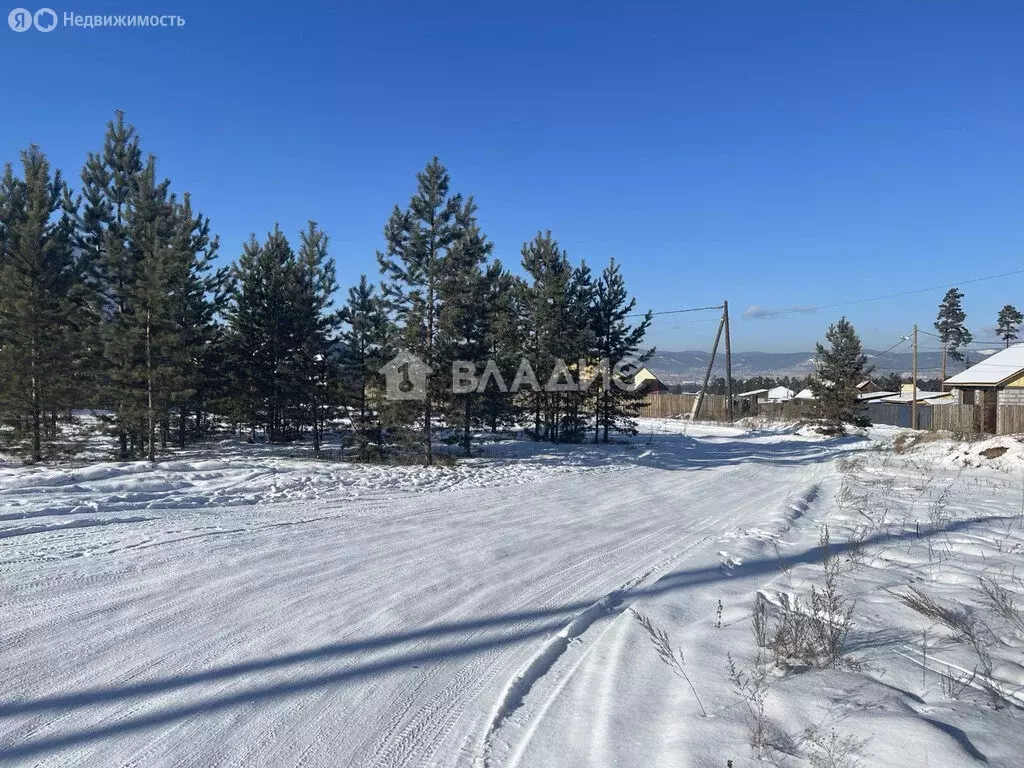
x=1008, y=322
x=463, y=321
x=556, y=306
x=618, y=346
x=841, y=366
x=418, y=241
x=363, y=340
x=313, y=360
x=953, y=334
x=260, y=339
x=37, y=318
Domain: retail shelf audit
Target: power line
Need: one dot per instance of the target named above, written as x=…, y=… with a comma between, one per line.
x=903, y=340
x=676, y=311
x=801, y=310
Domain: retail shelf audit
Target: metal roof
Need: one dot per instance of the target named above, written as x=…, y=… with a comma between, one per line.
x=752, y=392
x=992, y=371
x=922, y=397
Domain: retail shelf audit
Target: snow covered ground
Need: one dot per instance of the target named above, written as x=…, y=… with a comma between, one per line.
x=239, y=607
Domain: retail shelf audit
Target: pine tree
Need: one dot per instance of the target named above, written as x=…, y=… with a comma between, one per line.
x=463, y=320
x=418, y=241
x=312, y=327
x=953, y=334
x=506, y=342
x=556, y=317
x=258, y=317
x=145, y=339
x=841, y=366
x=1008, y=323
x=199, y=297
x=37, y=278
x=363, y=340
x=110, y=181
x=617, y=345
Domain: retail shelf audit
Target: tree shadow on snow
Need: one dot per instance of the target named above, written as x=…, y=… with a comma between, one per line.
x=446, y=641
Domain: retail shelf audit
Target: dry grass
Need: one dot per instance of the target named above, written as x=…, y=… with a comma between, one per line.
x=905, y=441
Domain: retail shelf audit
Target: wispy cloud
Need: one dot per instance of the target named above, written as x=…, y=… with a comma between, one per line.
x=755, y=312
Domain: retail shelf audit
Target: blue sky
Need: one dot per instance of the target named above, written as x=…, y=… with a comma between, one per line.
x=778, y=154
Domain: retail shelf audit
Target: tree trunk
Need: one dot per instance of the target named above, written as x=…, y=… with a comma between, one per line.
x=151, y=414
x=427, y=412
x=316, y=424
x=37, y=427
x=536, y=417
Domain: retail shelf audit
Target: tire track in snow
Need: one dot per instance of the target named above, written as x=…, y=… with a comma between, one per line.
x=607, y=677
x=388, y=566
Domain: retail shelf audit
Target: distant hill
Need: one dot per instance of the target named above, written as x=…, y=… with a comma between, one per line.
x=690, y=365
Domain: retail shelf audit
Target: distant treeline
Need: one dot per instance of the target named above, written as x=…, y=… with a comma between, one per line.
x=111, y=300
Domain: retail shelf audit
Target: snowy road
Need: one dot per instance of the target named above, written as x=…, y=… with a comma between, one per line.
x=262, y=611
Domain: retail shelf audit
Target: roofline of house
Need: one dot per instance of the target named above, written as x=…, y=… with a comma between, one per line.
x=985, y=385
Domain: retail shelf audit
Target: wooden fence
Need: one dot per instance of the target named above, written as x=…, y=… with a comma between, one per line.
x=666, y=406
x=963, y=419
x=791, y=410
x=1010, y=420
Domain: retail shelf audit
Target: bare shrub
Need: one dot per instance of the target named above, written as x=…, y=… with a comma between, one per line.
x=904, y=442
x=832, y=750
x=672, y=657
x=960, y=621
x=752, y=688
x=814, y=635
x=760, y=621
x=1001, y=601
x=833, y=613
x=953, y=685
x=967, y=629
x=855, y=546
x=792, y=636
x=938, y=513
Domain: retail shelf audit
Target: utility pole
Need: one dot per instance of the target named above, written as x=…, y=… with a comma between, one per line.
x=707, y=374
x=728, y=360
x=913, y=404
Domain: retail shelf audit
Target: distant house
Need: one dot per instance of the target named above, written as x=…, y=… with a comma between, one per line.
x=924, y=397
x=646, y=383
x=779, y=395
x=997, y=380
x=804, y=394
x=867, y=387
x=757, y=395
x=870, y=397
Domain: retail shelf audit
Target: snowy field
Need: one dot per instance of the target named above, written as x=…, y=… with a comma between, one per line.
x=242, y=607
